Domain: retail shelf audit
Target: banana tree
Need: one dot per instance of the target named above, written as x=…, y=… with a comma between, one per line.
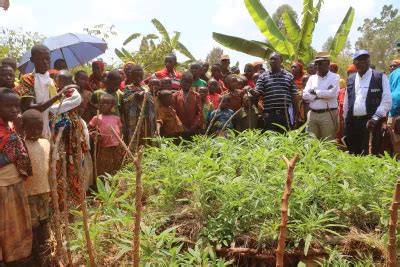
x=296, y=43
x=153, y=48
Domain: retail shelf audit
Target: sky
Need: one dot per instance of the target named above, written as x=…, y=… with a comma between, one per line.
x=195, y=19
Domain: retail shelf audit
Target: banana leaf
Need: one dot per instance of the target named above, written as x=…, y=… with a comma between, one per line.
x=266, y=44
x=184, y=51
x=161, y=29
x=119, y=54
x=242, y=45
x=144, y=45
x=268, y=28
x=131, y=37
x=317, y=10
x=339, y=41
x=175, y=39
x=292, y=28
x=151, y=36
x=307, y=29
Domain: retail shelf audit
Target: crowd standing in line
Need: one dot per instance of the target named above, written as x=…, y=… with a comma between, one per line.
x=89, y=109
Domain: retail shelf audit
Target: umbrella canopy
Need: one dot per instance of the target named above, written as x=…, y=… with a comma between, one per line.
x=75, y=49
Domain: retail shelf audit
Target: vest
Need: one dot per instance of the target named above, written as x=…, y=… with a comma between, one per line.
x=374, y=95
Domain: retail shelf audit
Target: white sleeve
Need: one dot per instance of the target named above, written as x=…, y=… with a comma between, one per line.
x=386, y=102
x=306, y=92
x=67, y=104
x=332, y=92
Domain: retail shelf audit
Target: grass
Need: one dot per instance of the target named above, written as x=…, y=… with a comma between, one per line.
x=213, y=193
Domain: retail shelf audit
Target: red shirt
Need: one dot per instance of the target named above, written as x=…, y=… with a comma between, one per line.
x=214, y=98
x=189, y=111
x=175, y=76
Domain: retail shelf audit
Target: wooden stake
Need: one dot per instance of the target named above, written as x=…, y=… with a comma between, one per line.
x=83, y=202
x=370, y=138
x=138, y=127
x=392, y=254
x=54, y=195
x=137, y=161
x=96, y=138
x=280, y=251
x=66, y=208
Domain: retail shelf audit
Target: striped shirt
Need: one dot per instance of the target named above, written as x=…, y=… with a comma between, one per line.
x=277, y=89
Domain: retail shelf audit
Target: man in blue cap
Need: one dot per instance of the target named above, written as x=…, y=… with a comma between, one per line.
x=366, y=105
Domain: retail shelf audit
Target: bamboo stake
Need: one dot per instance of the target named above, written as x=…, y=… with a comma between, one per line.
x=137, y=128
x=137, y=161
x=96, y=138
x=229, y=120
x=392, y=254
x=66, y=209
x=83, y=203
x=370, y=138
x=54, y=195
x=284, y=209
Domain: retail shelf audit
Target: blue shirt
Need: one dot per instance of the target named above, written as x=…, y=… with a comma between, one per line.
x=222, y=116
x=394, y=80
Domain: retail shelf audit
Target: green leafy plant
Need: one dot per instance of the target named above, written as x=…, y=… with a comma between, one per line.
x=295, y=41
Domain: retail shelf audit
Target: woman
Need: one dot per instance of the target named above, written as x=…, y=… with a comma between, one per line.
x=96, y=80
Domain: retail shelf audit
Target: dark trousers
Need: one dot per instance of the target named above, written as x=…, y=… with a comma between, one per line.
x=274, y=120
x=357, y=136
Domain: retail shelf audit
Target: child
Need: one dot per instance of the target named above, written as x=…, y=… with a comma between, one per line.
x=168, y=123
x=109, y=152
x=249, y=116
x=113, y=81
x=86, y=110
x=166, y=84
x=213, y=89
x=256, y=76
x=154, y=86
x=37, y=186
x=187, y=104
x=7, y=76
x=236, y=95
x=206, y=104
x=15, y=166
x=218, y=118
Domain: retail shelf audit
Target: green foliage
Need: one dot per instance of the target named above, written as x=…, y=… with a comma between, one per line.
x=380, y=35
x=153, y=48
x=15, y=42
x=212, y=192
x=214, y=55
x=293, y=41
x=102, y=31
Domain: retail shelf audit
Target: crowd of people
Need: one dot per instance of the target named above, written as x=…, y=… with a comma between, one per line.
x=93, y=112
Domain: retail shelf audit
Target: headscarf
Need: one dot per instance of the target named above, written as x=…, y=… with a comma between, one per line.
x=334, y=66
x=395, y=62
x=301, y=67
x=299, y=80
x=100, y=64
x=351, y=68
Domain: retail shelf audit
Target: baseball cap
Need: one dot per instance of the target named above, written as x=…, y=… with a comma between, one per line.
x=360, y=53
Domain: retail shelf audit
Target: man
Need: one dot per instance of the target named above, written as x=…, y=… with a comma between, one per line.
x=225, y=61
x=311, y=69
x=37, y=90
x=366, y=104
x=321, y=93
x=394, y=115
x=170, y=72
x=279, y=92
x=196, y=70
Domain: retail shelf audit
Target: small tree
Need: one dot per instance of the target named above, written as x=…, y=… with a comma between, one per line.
x=214, y=55
x=16, y=42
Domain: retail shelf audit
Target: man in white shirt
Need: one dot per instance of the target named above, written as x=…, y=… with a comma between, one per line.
x=366, y=104
x=321, y=94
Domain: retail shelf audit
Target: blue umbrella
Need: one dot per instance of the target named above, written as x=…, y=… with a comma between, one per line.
x=75, y=49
